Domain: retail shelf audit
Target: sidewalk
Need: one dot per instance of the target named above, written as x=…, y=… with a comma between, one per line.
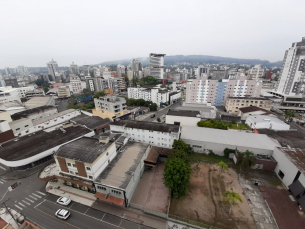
x=89, y=200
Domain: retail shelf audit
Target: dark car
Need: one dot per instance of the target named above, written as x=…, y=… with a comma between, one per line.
x=152, y=116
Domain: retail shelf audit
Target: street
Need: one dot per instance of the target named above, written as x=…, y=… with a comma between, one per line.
x=162, y=112
x=39, y=207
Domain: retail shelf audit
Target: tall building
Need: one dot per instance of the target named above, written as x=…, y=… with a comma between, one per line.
x=216, y=93
x=86, y=70
x=121, y=69
x=136, y=65
x=76, y=84
x=202, y=70
x=53, y=69
x=74, y=69
x=156, y=64
x=11, y=82
x=257, y=72
x=292, y=75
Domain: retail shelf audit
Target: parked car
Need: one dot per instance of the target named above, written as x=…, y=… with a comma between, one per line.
x=64, y=201
x=152, y=116
x=62, y=214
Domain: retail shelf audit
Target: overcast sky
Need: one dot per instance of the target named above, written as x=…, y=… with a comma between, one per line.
x=32, y=32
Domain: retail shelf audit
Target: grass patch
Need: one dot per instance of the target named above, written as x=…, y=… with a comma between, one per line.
x=238, y=126
x=209, y=159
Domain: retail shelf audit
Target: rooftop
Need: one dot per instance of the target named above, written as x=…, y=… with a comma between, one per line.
x=195, y=107
x=120, y=170
x=183, y=113
x=265, y=118
x=39, y=101
x=296, y=156
x=162, y=127
x=48, y=118
x=292, y=138
x=252, y=109
x=92, y=122
x=11, y=105
x=27, y=113
x=252, y=98
x=234, y=138
x=85, y=149
x=33, y=144
x=155, y=152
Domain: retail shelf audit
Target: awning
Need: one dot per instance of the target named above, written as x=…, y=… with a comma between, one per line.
x=296, y=188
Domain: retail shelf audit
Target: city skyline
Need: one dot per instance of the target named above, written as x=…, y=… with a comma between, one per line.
x=226, y=29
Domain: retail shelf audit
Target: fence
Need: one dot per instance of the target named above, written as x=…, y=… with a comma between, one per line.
x=189, y=222
x=148, y=211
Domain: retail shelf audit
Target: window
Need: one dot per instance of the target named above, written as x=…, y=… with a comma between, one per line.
x=116, y=192
x=71, y=172
x=107, y=154
x=74, y=165
x=26, y=125
x=69, y=164
x=88, y=168
x=195, y=146
x=102, y=188
x=76, y=173
x=90, y=177
x=281, y=174
x=17, y=129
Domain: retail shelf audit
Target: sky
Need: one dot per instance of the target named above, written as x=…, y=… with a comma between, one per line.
x=32, y=32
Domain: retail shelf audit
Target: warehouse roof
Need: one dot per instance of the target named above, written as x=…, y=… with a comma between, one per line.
x=264, y=119
x=36, y=143
x=27, y=113
x=252, y=109
x=121, y=169
x=39, y=101
x=184, y=113
x=48, y=118
x=296, y=156
x=234, y=138
x=162, y=127
x=92, y=122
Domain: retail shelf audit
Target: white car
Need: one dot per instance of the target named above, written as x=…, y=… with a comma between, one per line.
x=62, y=214
x=64, y=201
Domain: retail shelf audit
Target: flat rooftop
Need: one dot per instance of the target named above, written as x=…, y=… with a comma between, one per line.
x=39, y=101
x=234, y=138
x=85, y=149
x=36, y=143
x=92, y=122
x=48, y=118
x=11, y=105
x=252, y=109
x=195, y=107
x=27, y=113
x=251, y=98
x=265, y=118
x=184, y=113
x=292, y=138
x=162, y=127
x=120, y=170
x=296, y=156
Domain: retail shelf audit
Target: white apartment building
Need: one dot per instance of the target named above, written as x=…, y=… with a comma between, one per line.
x=292, y=75
x=63, y=92
x=76, y=84
x=74, y=68
x=53, y=69
x=9, y=94
x=156, y=95
x=156, y=64
x=156, y=134
x=257, y=72
x=23, y=90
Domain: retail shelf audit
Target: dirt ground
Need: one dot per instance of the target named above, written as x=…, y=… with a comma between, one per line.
x=206, y=203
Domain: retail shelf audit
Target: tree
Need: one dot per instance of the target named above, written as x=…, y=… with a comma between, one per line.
x=158, y=119
x=222, y=165
x=99, y=94
x=153, y=107
x=181, y=145
x=232, y=197
x=176, y=176
x=247, y=160
x=39, y=82
x=289, y=115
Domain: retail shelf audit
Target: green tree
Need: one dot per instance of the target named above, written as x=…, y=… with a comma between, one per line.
x=153, y=107
x=247, y=160
x=178, y=153
x=232, y=197
x=181, y=145
x=99, y=94
x=222, y=165
x=39, y=82
x=176, y=176
x=158, y=119
x=289, y=115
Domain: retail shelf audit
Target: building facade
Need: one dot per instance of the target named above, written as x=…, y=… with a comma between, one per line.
x=233, y=104
x=63, y=92
x=156, y=95
x=9, y=94
x=76, y=84
x=11, y=82
x=156, y=64
x=257, y=72
x=74, y=69
x=53, y=69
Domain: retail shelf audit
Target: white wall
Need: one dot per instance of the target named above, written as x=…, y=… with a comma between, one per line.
x=266, y=124
x=186, y=121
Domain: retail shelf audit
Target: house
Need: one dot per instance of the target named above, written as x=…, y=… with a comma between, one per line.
x=266, y=122
x=253, y=110
x=182, y=117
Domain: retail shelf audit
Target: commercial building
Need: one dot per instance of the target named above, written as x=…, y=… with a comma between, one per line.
x=39, y=101
x=244, y=112
x=156, y=65
x=32, y=93
x=157, y=134
x=9, y=94
x=12, y=107
x=204, y=139
x=63, y=92
x=76, y=84
x=156, y=95
x=206, y=112
x=53, y=69
x=111, y=107
x=233, y=104
x=214, y=92
x=35, y=113
x=181, y=117
x=11, y=82
x=257, y=72
x=266, y=122
x=292, y=75
x=74, y=69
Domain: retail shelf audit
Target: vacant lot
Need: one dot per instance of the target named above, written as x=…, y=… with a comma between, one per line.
x=205, y=203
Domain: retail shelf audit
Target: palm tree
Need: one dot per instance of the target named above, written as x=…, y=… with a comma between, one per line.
x=222, y=166
x=232, y=197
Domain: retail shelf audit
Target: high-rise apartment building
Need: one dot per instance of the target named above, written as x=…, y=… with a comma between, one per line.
x=292, y=75
x=257, y=72
x=74, y=69
x=121, y=69
x=76, y=84
x=202, y=70
x=53, y=69
x=216, y=92
x=156, y=64
x=86, y=70
x=136, y=65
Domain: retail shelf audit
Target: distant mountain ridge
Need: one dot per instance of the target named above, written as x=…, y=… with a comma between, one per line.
x=202, y=59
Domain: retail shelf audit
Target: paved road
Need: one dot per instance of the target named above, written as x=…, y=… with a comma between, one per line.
x=31, y=200
x=162, y=112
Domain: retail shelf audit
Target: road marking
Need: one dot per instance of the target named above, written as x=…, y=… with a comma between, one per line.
x=29, y=200
x=120, y=223
x=33, y=197
x=2, y=168
x=25, y=202
x=36, y=195
x=1, y=182
x=58, y=219
x=41, y=193
x=71, y=205
x=39, y=203
x=21, y=204
x=86, y=211
x=103, y=216
x=18, y=207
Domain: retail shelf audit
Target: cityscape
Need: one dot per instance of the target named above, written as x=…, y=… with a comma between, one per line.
x=154, y=139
